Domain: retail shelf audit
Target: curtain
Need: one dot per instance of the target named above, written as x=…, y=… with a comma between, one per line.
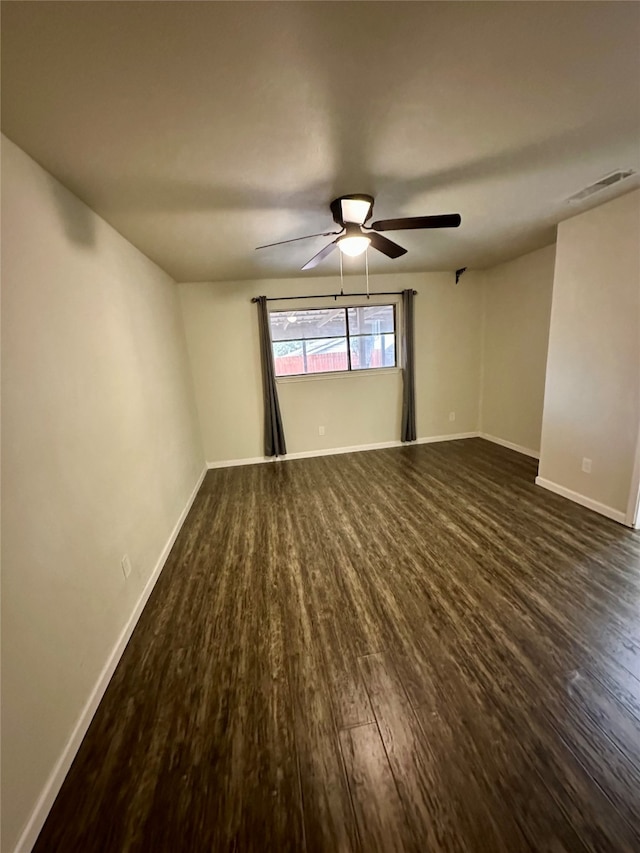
x=408, y=431
x=274, y=443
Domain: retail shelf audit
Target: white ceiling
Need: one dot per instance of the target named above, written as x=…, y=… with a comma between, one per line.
x=201, y=130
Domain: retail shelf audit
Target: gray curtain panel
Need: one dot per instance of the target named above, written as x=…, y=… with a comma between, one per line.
x=408, y=431
x=274, y=443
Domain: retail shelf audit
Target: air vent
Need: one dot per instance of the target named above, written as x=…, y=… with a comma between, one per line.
x=601, y=184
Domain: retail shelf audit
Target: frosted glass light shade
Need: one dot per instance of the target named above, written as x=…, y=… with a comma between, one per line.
x=355, y=210
x=353, y=245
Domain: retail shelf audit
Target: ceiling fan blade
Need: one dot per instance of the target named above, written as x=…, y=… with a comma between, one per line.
x=322, y=254
x=445, y=220
x=387, y=247
x=295, y=239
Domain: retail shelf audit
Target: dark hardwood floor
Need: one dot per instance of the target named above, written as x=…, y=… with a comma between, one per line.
x=412, y=649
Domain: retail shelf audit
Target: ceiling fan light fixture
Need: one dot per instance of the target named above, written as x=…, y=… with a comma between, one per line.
x=353, y=246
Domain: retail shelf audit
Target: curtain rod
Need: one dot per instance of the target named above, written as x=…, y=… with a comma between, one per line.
x=333, y=295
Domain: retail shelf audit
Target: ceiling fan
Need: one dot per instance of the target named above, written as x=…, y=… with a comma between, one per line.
x=351, y=212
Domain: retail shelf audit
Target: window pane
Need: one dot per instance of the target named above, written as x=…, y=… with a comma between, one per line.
x=369, y=351
x=317, y=356
x=371, y=319
x=287, y=358
x=323, y=356
x=314, y=323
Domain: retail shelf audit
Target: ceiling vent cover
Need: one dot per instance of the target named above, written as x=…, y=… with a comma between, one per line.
x=601, y=184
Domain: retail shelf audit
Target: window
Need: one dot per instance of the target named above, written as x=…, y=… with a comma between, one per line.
x=325, y=340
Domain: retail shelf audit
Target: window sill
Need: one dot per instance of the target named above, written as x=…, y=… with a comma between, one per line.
x=337, y=374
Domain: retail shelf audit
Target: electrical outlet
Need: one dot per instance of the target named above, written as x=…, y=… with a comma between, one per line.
x=452, y=416
x=126, y=565
x=586, y=465
x=320, y=430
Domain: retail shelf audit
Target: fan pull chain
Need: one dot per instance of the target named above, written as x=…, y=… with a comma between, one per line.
x=366, y=269
x=341, y=277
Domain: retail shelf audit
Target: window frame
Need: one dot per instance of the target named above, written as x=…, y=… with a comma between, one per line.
x=350, y=371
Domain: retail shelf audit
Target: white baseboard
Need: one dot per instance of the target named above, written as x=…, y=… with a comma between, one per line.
x=510, y=445
x=59, y=772
x=232, y=463
x=577, y=498
x=334, y=451
x=432, y=439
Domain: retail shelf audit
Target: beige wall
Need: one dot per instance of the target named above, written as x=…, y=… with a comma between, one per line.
x=517, y=307
x=592, y=395
x=221, y=328
x=100, y=453
x=100, y=443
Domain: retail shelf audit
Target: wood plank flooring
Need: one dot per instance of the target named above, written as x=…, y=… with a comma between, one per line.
x=413, y=649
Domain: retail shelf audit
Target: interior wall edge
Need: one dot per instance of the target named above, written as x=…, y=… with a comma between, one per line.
x=583, y=500
x=483, y=348
x=53, y=784
x=527, y=451
x=633, y=506
x=516, y=307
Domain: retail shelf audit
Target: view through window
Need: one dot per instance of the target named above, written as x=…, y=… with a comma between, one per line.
x=324, y=340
